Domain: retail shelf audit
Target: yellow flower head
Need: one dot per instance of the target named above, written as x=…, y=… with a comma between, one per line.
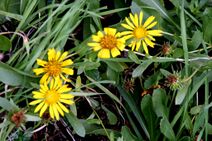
x=54, y=67
x=140, y=33
x=108, y=43
x=52, y=95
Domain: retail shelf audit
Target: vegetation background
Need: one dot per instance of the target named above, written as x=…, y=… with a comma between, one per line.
x=165, y=95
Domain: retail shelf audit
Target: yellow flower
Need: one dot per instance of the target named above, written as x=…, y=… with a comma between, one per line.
x=140, y=34
x=108, y=43
x=52, y=96
x=55, y=66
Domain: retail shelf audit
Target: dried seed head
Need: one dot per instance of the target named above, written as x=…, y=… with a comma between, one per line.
x=18, y=118
x=129, y=85
x=166, y=49
x=173, y=81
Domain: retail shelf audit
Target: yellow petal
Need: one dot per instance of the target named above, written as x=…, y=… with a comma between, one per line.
x=36, y=92
x=100, y=34
x=64, y=89
x=51, y=111
x=39, y=71
x=96, y=48
x=126, y=33
x=57, y=83
x=133, y=43
x=148, y=21
x=129, y=23
x=65, y=79
x=132, y=18
x=69, y=102
x=148, y=42
x=128, y=37
x=58, y=53
x=66, y=96
x=41, y=62
x=127, y=26
x=55, y=112
x=67, y=71
x=120, y=44
x=43, y=109
x=59, y=110
x=136, y=20
x=63, y=56
x=44, y=78
x=138, y=44
x=110, y=31
x=93, y=44
x=39, y=107
x=151, y=25
x=151, y=38
x=104, y=53
x=96, y=38
x=115, y=52
x=44, y=87
x=52, y=83
x=155, y=32
x=38, y=96
x=145, y=47
x=51, y=54
x=67, y=62
x=140, y=18
x=63, y=107
x=35, y=102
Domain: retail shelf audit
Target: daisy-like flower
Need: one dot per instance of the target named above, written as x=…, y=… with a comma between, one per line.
x=108, y=43
x=140, y=34
x=52, y=95
x=55, y=66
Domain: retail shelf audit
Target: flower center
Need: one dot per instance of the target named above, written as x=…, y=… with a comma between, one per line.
x=53, y=68
x=140, y=32
x=52, y=96
x=108, y=42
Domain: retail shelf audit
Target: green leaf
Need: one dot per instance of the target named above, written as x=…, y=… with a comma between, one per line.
x=94, y=74
x=116, y=66
x=127, y=135
x=207, y=22
x=159, y=100
x=166, y=129
x=196, y=109
x=111, y=116
x=185, y=138
x=5, y=43
x=76, y=124
x=112, y=75
x=165, y=72
x=152, y=80
x=181, y=93
x=105, y=90
x=7, y=105
x=140, y=69
x=209, y=127
x=178, y=52
x=78, y=83
x=199, y=122
x=196, y=39
x=133, y=57
x=9, y=8
x=11, y=76
x=151, y=119
x=32, y=118
x=136, y=111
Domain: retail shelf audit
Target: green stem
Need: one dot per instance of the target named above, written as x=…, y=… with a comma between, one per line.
x=184, y=37
x=206, y=109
